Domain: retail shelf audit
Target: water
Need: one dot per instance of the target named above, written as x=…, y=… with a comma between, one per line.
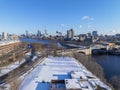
x=110, y=64
x=33, y=40
x=41, y=41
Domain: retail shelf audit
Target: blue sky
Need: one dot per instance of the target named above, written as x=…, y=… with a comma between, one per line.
x=17, y=16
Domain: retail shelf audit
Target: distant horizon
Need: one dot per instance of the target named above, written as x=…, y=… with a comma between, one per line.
x=43, y=32
x=83, y=16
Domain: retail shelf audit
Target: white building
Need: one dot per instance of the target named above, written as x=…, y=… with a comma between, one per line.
x=13, y=37
x=4, y=35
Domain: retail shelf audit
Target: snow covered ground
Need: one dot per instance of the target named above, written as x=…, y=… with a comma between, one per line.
x=6, y=69
x=61, y=68
x=10, y=67
x=8, y=42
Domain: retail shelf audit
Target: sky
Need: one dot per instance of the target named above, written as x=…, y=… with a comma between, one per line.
x=17, y=16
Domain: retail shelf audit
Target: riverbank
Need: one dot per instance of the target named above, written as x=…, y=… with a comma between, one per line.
x=92, y=66
x=111, y=68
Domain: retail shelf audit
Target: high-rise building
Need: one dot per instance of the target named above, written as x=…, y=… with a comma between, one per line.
x=0, y=37
x=70, y=33
x=94, y=33
x=46, y=32
x=27, y=33
x=4, y=36
x=39, y=33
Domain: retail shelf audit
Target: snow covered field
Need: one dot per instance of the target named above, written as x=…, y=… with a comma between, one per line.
x=61, y=68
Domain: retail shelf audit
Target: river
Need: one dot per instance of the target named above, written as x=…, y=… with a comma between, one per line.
x=109, y=63
x=33, y=40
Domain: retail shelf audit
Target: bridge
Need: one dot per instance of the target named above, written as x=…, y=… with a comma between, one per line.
x=99, y=46
x=81, y=48
x=86, y=51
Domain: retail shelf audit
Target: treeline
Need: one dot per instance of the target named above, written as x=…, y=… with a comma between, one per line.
x=92, y=66
x=36, y=47
x=115, y=81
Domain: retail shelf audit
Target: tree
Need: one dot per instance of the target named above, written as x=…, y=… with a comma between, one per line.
x=53, y=46
x=55, y=53
x=36, y=47
x=115, y=81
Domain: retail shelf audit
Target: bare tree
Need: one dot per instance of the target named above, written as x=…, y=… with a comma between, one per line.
x=115, y=81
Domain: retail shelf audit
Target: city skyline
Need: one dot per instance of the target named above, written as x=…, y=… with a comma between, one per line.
x=83, y=16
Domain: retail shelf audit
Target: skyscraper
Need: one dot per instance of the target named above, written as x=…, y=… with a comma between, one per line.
x=70, y=33
x=27, y=33
x=94, y=33
x=4, y=36
x=46, y=32
x=39, y=33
